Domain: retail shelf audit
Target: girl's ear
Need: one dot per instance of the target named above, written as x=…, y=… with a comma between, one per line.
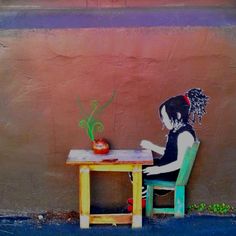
x=178, y=115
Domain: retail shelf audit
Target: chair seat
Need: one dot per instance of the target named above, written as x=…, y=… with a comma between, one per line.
x=160, y=183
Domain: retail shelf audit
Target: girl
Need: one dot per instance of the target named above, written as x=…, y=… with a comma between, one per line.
x=177, y=114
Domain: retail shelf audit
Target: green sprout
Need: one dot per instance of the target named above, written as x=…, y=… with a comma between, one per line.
x=89, y=121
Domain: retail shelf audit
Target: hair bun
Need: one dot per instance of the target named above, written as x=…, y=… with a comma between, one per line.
x=198, y=102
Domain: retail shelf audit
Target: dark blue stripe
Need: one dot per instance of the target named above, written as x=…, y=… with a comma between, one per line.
x=43, y=19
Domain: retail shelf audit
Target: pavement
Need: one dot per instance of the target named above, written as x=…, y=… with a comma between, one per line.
x=195, y=225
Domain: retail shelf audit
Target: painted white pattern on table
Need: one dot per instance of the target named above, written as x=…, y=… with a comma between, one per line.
x=123, y=156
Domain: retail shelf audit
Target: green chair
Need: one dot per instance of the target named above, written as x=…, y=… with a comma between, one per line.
x=178, y=187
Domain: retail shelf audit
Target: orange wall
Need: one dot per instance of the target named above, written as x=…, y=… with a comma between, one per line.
x=44, y=71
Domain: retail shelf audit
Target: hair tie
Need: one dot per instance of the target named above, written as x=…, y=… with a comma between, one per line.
x=187, y=100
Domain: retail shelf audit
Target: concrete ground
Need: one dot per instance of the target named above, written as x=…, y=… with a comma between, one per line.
x=190, y=225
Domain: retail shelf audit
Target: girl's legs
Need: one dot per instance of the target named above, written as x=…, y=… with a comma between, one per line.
x=171, y=176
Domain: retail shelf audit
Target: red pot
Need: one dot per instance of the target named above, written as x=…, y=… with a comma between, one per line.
x=100, y=146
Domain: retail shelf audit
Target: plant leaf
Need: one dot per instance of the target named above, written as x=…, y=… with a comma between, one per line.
x=106, y=104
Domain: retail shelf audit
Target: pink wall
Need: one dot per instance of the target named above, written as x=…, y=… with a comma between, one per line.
x=11, y=4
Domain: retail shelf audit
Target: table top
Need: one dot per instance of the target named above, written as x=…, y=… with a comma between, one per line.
x=79, y=157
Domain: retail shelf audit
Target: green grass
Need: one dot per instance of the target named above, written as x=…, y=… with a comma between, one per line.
x=216, y=208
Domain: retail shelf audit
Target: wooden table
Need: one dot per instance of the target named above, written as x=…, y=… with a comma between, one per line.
x=115, y=160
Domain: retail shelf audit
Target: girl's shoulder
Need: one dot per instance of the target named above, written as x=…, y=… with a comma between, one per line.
x=185, y=139
x=187, y=129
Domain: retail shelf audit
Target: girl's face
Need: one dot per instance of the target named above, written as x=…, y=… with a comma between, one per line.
x=165, y=119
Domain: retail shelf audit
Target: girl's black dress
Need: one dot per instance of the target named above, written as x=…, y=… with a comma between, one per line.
x=170, y=155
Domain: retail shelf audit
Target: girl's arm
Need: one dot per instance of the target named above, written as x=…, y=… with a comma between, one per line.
x=184, y=141
x=150, y=146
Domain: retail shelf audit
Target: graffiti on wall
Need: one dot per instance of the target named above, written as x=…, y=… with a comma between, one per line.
x=178, y=115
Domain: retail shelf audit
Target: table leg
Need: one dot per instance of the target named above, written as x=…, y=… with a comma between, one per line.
x=137, y=197
x=84, y=206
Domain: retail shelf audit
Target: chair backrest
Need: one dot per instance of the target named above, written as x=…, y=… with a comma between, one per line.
x=188, y=161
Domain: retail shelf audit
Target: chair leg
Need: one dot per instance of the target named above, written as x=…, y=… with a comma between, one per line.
x=179, y=201
x=149, y=201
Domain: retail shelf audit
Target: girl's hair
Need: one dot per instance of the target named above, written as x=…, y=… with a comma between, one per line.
x=190, y=105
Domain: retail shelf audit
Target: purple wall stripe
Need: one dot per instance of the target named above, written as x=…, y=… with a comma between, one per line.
x=53, y=19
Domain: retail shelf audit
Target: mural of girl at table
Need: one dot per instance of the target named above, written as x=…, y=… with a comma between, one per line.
x=178, y=114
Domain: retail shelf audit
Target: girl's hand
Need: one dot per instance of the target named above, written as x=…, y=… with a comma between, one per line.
x=153, y=170
x=146, y=144
x=150, y=146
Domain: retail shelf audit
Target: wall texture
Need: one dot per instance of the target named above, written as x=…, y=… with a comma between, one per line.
x=83, y=4
x=44, y=70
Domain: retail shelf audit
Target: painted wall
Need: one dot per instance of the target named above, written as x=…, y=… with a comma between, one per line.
x=43, y=71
